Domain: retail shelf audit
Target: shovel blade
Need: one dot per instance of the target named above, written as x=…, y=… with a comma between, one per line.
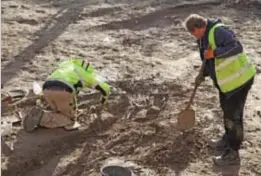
x=186, y=119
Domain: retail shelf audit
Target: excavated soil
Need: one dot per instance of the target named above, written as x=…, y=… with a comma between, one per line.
x=142, y=49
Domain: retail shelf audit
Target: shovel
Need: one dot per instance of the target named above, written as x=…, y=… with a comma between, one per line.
x=186, y=118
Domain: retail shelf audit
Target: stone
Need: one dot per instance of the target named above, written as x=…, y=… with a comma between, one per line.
x=6, y=128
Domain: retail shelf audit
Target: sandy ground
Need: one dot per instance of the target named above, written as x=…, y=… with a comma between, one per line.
x=142, y=48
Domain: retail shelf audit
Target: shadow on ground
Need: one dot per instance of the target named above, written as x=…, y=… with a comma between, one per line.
x=59, y=22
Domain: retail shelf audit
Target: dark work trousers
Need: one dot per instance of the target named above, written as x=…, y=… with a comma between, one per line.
x=233, y=112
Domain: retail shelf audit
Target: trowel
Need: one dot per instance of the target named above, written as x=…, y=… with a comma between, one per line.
x=186, y=118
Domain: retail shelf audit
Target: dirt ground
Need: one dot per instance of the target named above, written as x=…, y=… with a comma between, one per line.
x=143, y=50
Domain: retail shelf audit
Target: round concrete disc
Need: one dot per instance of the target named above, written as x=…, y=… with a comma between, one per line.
x=186, y=119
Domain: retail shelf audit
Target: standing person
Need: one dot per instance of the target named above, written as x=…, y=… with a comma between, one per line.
x=60, y=91
x=232, y=74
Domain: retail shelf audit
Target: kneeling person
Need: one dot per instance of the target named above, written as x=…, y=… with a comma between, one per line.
x=60, y=91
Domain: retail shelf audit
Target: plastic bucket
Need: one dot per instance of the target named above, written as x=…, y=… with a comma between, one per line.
x=115, y=171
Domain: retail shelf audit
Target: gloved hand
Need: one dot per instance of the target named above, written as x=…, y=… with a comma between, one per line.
x=103, y=100
x=209, y=53
x=104, y=89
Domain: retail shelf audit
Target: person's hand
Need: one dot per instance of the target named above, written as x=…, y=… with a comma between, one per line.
x=104, y=103
x=103, y=100
x=209, y=53
x=199, y=79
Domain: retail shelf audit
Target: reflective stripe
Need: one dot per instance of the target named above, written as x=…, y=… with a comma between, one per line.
x=85, y=65
x=56, y=79
x=234, y=76
x=227, y=61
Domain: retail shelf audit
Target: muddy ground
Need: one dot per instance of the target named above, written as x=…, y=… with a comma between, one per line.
x=143, y=50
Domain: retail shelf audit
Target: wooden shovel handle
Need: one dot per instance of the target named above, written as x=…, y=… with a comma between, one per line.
x=196, y=85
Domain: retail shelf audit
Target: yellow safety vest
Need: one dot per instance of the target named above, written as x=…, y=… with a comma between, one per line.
x=231, y=72
x=74, y=70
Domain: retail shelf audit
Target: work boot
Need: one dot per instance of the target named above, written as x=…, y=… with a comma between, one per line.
x=219, y=144
x=74, y=126
x=32, y=119
x=229, y=157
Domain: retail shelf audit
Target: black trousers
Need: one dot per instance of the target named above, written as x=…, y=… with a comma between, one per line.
x=233, y=112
